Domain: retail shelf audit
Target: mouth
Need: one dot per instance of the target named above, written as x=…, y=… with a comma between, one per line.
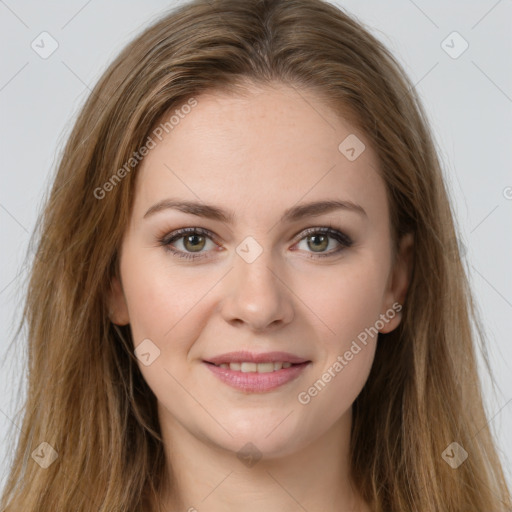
x=250, y=367
x=257, y=373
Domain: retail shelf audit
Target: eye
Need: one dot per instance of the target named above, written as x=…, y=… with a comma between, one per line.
x=194, y=240
x=317, y=239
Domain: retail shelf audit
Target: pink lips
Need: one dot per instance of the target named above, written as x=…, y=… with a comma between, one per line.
x=254, y=382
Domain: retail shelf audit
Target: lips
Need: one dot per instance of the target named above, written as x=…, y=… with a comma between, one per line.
x=256, y=373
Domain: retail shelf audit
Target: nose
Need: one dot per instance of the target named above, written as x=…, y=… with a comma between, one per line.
x=256, y=294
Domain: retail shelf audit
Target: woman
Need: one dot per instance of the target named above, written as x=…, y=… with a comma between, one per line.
x=248, y=293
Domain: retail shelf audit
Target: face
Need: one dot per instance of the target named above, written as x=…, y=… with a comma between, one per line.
x=258, y=273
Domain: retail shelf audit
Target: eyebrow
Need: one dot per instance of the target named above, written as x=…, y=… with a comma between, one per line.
x=292, y=214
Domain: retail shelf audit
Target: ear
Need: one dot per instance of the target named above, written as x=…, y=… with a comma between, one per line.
x=116, y=303
x=398, y=284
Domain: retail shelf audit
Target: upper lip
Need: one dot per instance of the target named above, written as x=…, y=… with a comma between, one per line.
x=251, y=357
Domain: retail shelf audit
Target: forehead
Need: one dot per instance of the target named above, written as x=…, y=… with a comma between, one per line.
x=260, y=152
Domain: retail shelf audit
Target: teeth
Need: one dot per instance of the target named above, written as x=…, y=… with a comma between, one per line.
x=247, y=367
x=265, y=367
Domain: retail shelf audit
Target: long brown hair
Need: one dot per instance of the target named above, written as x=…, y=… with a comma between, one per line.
x=86, y=397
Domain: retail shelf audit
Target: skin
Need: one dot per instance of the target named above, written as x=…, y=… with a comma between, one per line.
x=257, y=154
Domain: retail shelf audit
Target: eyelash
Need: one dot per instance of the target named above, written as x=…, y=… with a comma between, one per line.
x=167, y=239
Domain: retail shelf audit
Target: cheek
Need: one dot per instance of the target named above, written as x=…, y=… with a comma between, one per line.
x=349, y=304
x=165, y=308
x=350, y=309
x=347, y=300
x=161, y=297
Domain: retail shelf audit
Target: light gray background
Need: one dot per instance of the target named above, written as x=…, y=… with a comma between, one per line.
x=468, y=100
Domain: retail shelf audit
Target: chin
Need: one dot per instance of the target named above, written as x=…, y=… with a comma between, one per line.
x=257, y=443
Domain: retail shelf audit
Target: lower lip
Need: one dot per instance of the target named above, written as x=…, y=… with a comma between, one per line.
x=254, y=382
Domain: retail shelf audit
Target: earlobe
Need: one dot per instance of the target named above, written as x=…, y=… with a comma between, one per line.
x=399, y=283
x=116, y=303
